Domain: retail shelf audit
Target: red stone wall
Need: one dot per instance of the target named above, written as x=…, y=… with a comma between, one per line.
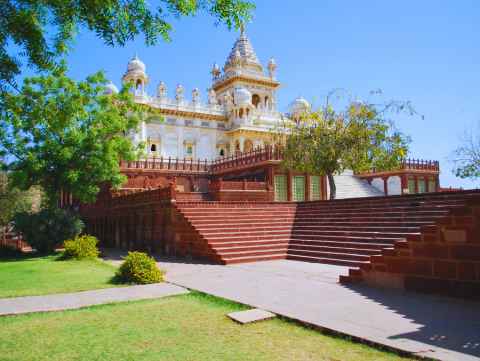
x=146, y=221
x=443, y=259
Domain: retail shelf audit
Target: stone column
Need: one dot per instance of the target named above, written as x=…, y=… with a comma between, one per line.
x=289, y=186
x=385, y=185
x=307, y=187
x=242, y=143
x=324, y=187
x=403, y=183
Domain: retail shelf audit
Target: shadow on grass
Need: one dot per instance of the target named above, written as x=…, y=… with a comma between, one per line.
x=12, y=255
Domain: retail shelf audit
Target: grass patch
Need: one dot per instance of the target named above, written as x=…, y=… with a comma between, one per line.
x=187, y=327
x=30, y=275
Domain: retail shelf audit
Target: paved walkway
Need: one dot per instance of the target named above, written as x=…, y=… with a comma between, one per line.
x=441, y=328
x=68, y=301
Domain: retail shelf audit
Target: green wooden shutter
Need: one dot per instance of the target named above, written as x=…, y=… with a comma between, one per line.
x=421, y=185
x=314, y=187
x=299, y=188
x=280, y=184
x=432, y=185
x=411, y=186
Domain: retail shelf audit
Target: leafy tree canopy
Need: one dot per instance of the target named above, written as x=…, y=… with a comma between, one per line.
x=359, y=137
x=66, y=135
x=41, y=30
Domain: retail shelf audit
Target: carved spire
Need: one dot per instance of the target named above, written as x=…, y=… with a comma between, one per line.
x=244, y=48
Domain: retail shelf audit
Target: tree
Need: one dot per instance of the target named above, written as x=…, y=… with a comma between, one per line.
x=66, y=135
x=27, y=26
x=13, y=200
x=467, y=157
x=326, y=142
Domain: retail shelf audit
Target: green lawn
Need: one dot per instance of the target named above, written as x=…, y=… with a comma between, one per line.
x=188, y=327
x=26, y=276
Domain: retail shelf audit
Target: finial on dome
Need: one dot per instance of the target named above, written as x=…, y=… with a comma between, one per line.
x=215, y=71
x=242, y=29
x=272, y=67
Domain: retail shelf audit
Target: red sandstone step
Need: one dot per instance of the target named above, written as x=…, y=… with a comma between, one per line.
x=325, y=210
x=230, y=238
x=252, y=215
x=225, y=251
x=333, y=255
x=331, y=249
x=319, y=235
x=236, y=234
x=315, y=221
x=247, y=243
x=242, y=229
x=253, y=252
x=354, y=228
x=343, y=244
x=301, y=223
x=348, y=279
x=246, y=259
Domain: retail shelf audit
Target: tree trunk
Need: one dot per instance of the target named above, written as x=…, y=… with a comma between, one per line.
x=332, y=186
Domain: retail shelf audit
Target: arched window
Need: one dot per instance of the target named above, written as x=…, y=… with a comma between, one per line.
x=266, y=102
x=255, y=100
x=241, y=113
x=222, y=152
x=153, y=148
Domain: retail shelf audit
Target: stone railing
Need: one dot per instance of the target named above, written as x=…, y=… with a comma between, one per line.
x=189, y=106
x=239, y=159
x=174, y=164
x=411, y=164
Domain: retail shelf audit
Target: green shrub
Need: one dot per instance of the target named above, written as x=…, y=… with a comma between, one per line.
x=81, y=247
x=140, y=268
x=47, y=229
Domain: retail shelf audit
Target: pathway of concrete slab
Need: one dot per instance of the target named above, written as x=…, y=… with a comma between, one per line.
x=68, y=301
x=436, y=327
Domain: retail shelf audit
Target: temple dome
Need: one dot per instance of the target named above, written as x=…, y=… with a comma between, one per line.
x=242, y=96
x=136, y=65
x=299, y=105
x=110, y=88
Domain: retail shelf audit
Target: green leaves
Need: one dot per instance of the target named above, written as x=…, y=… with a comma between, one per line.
x=67, y=135
x=29, y=26
x=327, y=142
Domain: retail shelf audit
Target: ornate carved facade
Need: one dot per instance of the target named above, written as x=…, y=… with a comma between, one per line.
x=238, y=115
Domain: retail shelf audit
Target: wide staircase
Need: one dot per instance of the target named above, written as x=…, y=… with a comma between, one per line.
x=239, y=232
x=342, y=232
x=350, y=186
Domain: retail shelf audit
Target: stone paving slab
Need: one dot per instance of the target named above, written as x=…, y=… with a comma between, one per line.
x=249, y=316
x=436, y=327
x=68, y=301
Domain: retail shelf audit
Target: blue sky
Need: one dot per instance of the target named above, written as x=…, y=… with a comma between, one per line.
x=424, y=51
